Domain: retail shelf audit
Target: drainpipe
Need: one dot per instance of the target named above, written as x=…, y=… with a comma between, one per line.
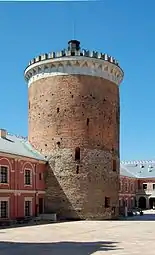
x=35, y=187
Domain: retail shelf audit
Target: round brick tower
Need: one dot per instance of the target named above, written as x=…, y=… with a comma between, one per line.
x=74, y=115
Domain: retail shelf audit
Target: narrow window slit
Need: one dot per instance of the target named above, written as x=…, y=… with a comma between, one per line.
x=87, y=121
x=77, y=153
x=77, y=169
x=114, y=165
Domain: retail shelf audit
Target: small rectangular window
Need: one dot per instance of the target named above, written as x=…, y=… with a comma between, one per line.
x=27, y=177
x=28, y=208
x=87, y=121
x=77, y=169
x=77, y=153
x=126, y=202
x=131, y=187
x=40, y=176
x=114, y=165
x=126, y=186
x=153, y=186
x=107, y=202
x=132, y=203
x=144, y=186
x=120, y=186
x=4, y=209
x=4, y=174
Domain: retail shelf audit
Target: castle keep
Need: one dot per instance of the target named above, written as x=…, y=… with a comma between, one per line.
x=74, y=115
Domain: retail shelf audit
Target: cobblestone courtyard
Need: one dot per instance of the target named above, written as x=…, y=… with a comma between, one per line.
x=81, y=238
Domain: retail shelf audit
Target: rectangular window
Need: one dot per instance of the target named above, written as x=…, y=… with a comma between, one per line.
x=3, y=174
x=107, y=202
x=4, y=209
x=120, y=202
x=131, y=187
x=144, y=186
x=77, y=153
x=27, y=177
x=153, y=186
x=119, y=186
x=126, y=186
x=132, y=203
x=28, y=208
x=126, y=202
x=40, y=176
x=114, y=165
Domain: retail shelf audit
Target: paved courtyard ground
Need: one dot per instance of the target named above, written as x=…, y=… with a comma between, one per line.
x=81, y=238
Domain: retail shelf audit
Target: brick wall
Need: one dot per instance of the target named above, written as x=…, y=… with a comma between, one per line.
x=66, y=112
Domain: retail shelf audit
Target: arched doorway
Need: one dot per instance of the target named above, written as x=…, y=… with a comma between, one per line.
x=142, y=203
x=152, y=202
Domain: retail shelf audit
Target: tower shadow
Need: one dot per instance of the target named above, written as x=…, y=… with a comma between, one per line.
x=57, y=248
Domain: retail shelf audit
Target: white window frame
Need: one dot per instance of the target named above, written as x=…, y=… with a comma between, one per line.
x=145, y=184
x=27, y=169
x=29, y=199
x=7, y=183
x=7, y=199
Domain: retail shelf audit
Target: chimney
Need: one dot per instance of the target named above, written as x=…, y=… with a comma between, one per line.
x=3, y=133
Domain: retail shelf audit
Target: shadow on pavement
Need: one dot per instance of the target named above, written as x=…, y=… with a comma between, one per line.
x=144, y=217
x=58, y=248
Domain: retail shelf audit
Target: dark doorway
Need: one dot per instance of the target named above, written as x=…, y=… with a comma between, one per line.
x=40, y=205
x=152, y=202
x=142, y=202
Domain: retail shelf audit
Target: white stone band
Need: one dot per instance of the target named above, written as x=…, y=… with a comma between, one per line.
x=72, y=66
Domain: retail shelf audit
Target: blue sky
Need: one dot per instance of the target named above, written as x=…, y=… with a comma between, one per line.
x=123, y=29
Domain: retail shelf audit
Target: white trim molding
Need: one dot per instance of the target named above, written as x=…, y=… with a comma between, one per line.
x=31, y=177
x=24, y=166
x=18, y=192
x=77, y=65
x=9, y=164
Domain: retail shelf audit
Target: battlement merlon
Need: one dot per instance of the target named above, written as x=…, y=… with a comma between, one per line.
x=82, y=62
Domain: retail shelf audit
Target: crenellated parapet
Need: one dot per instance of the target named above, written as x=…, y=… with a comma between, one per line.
x=74, y=61
x=68, y=53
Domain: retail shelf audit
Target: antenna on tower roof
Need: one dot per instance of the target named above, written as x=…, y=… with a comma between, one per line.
x=74, y=28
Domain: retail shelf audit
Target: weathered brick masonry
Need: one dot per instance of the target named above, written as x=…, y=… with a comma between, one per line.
x=88, y=118
x=74, y=120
